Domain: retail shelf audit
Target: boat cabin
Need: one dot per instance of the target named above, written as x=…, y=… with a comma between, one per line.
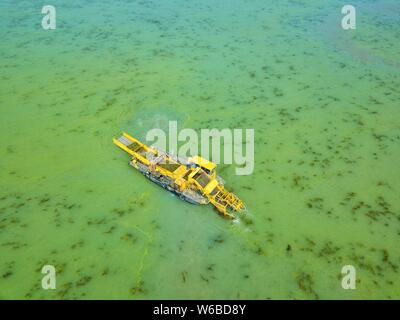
x=207, y=166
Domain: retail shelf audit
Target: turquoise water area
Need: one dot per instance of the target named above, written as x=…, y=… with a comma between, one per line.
x=324, y=104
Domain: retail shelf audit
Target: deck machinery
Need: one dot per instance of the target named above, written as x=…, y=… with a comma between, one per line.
x=194, y=179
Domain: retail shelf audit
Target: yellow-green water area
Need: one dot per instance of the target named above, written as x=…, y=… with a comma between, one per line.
x=324, y=104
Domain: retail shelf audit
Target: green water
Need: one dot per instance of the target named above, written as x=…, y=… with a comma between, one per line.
x=324, y=104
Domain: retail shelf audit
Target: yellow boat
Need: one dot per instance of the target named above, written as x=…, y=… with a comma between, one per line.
x=194, y=179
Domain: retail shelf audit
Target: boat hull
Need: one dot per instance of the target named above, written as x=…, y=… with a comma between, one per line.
x=188, y=196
